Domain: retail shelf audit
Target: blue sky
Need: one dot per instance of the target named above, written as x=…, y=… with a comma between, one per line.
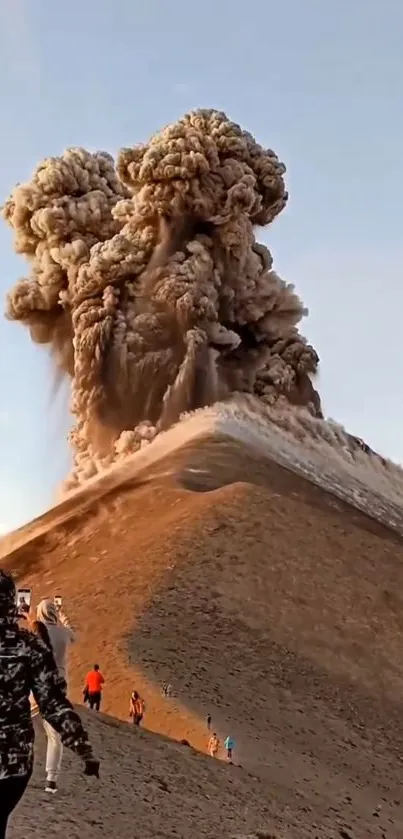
x=319, y=81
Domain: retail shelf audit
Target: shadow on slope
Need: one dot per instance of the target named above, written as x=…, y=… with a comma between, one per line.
x=150, y=788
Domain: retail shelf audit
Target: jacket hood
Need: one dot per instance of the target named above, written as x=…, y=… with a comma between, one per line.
x=46, y=612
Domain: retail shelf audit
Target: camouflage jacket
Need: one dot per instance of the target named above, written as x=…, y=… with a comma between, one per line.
x=27, y=665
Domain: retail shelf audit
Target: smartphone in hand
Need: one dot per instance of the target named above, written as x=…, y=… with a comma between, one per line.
x=23, y=597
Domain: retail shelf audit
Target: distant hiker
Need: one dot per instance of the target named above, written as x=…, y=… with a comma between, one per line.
x=166, y=689
x=208, y=720
x=229, y=746
x=213, y=745
x=137, y=708
x=28, y=665
x=94, y=681
x=53, y=628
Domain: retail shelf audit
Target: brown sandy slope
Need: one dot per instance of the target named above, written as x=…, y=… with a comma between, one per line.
x=261, y=599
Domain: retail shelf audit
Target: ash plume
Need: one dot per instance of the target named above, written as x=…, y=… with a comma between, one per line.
x=148, y=285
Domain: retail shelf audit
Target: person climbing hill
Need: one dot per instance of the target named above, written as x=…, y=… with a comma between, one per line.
x=137, y=708
x=229, y=745
x=213, y=745
x=94, y=682
x=54, y=629
x=26, y=665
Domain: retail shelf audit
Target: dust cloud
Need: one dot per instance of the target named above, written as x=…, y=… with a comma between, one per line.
x=147, y=283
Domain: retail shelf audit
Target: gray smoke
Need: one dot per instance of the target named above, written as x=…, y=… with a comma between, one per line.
x=149, y=287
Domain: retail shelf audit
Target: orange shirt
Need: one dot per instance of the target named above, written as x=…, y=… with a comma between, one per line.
x=94, y=681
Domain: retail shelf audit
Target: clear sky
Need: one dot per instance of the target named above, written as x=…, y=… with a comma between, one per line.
x=320, y=81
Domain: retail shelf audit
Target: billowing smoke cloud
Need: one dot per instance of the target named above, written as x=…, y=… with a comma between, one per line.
x=149, y=286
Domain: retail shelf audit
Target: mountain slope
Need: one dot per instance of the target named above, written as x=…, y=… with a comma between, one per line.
x=150, y=788
x=262, y=599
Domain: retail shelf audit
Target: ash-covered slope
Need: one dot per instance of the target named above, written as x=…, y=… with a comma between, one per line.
x=262, y=599
x=320, y=450
x=151, y=788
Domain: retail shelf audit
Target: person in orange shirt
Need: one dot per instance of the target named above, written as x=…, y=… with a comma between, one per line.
x=93, y=687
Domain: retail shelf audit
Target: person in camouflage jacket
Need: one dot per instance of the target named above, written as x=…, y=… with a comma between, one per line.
x=26, y=665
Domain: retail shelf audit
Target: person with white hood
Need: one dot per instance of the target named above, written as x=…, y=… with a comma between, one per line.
x=54, y=629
